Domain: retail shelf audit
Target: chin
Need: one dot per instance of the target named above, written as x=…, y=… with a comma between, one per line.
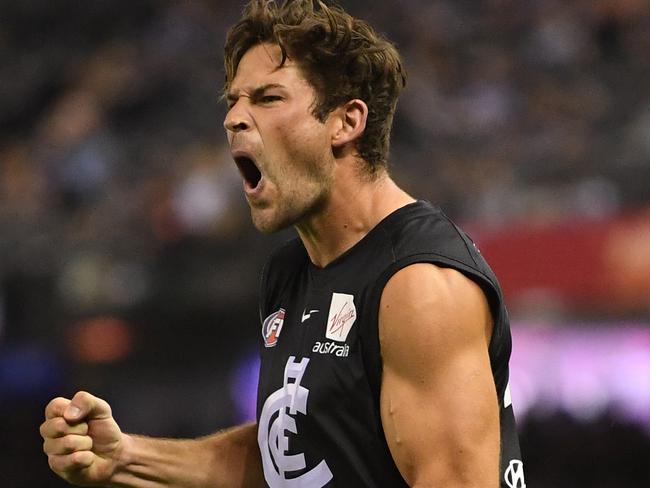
x=275, y=218
x=268, y=224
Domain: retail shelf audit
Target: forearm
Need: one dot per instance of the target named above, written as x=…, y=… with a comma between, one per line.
x=228, y=459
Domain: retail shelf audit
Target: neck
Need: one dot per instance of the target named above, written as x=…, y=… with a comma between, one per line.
x=354, y=207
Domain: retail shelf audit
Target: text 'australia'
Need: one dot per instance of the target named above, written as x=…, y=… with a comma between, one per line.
x=340, y=350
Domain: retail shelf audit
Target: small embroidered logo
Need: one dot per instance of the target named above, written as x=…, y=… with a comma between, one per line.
x=271, y=327
x=514, y=476
x=306, y=315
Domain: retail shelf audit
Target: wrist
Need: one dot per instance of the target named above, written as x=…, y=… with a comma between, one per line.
x=123, y=459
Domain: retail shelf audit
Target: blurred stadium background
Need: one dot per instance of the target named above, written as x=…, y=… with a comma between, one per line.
x=128, y=266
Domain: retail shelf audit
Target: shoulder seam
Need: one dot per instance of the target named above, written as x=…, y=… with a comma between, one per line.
x=460, y=235
x=392, y=245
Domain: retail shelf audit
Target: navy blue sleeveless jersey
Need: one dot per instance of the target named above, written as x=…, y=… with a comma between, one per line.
x=320, y=377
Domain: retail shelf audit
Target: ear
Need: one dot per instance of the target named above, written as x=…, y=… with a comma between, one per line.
x=350, y=122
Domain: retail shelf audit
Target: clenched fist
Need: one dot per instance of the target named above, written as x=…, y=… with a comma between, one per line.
x=82, y=441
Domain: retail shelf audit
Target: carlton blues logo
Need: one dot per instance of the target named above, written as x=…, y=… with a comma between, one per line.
x=277, y=425
x=272, y=327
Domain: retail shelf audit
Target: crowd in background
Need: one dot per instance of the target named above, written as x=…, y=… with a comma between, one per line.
x=122, y=215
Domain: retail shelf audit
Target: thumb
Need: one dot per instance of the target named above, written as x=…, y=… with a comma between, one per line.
x=85, y=406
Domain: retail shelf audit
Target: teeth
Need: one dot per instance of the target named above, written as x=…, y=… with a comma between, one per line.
x=249, y=170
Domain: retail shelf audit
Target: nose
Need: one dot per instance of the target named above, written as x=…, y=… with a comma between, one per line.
x=237, y=119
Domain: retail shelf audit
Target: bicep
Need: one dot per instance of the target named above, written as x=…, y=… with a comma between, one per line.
x=438, y=400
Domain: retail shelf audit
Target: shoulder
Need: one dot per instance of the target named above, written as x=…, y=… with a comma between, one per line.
x=426, y=311
x=424, y=234
x=424, y=229
x=427, y=284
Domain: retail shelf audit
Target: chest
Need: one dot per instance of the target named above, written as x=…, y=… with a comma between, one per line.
x=320, y=329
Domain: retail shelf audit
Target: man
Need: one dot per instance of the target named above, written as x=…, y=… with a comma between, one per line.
x=386, y=341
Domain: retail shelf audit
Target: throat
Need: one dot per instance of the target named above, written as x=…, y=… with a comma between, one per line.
x=326, y=243
x=348, y=218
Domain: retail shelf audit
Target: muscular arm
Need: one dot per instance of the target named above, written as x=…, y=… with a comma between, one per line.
x=439, y=405
x=227, y=459
x=86, y=447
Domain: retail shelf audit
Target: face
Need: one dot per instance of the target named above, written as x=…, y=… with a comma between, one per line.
x=283, y=152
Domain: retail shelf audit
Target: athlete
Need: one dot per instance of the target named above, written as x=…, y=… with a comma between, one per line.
x=385, y=342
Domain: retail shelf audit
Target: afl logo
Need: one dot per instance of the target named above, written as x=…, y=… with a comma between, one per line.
x=271, y=328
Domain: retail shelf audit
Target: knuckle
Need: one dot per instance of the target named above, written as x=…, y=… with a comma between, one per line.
x=108, y=407
x=55, y=402
x=83, y=396
x=78, y=459
x=50, y=447
x=58, y=426
x=68, y=444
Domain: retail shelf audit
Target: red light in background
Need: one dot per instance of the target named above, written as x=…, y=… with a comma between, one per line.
x=101, y=340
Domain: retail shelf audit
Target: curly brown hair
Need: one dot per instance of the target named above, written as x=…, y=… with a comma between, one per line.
x=342, y=57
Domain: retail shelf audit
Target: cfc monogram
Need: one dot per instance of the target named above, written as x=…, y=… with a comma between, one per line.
x=272, y=437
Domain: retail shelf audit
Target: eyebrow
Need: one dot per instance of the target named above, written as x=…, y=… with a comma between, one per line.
x=256, y=93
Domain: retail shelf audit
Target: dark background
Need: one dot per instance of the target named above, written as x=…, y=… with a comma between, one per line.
x=129, y=267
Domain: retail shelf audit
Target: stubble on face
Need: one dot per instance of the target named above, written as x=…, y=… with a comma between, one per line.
x=302, y=192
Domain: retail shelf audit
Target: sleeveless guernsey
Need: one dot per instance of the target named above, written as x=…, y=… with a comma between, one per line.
x=318, y=395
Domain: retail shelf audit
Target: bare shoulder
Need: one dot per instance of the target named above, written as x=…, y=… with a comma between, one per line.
x=430, y=308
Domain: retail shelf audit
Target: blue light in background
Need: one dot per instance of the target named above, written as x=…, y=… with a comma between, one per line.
x=29, y=370
x=243, y=386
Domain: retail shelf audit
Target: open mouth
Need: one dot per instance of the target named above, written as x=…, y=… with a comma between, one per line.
x=248, y=169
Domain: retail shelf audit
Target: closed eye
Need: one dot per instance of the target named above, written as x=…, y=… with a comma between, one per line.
x=270, y=98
